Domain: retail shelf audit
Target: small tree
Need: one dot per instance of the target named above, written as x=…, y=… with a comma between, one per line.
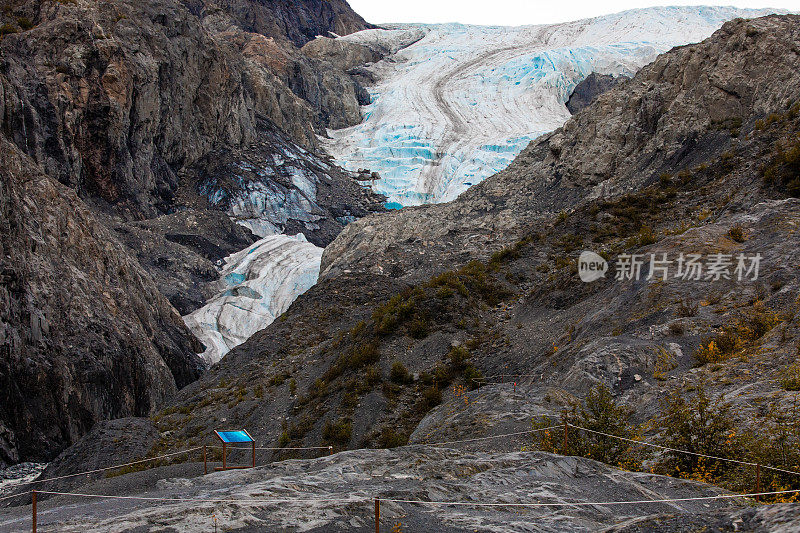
x=600, y=412
x=700, y=425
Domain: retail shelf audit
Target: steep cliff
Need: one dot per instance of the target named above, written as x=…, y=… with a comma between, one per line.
x=85, y=334
x=590, y=88
x=298, y=21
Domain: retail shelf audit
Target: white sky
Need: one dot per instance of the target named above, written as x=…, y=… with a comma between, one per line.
x=519, y=12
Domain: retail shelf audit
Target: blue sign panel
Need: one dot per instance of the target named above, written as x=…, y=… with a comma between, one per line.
x=234, y=436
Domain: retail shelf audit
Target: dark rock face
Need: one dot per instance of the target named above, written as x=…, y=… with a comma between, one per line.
x=590, y=88
x=84, y=332
x=132, y=105
x=274, y=186
x=116, y=99
x=299, y=21
x=113, y=99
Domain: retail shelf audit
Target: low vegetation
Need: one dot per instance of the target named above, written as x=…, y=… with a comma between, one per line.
x=597, y=412
x=690, y=421
x=747, y=329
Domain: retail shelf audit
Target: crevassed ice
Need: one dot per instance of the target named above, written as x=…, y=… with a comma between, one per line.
x=256, y=286
x=461, y=102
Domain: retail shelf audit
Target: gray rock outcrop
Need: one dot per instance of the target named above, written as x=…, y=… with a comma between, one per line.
x=590, y=88
x=85, y=334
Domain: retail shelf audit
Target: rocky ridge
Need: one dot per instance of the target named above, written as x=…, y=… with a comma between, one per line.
x=86, y=335
x=412, y=473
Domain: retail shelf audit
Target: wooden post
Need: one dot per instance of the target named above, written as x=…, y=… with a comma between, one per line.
x=205, y=460
x=254, y=454
x=377, y=515
x=758, y=481
x=565, y=438
x=33, y=511
x=224, y=459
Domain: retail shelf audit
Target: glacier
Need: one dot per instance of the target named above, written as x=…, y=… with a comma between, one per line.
x=460, y=102
x=256, y=286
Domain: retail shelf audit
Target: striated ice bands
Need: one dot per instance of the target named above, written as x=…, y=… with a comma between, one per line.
x=461, y=102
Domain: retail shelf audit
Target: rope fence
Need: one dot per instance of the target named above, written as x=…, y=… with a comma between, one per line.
x=378, y=500
x=143, y=461
x=416, y=502
x=757, y=494
x=696, y=454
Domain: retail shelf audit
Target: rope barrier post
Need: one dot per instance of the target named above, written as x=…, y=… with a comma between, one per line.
x=205, y=460
x=33, y=511
x=758, y=481
x=565, y=438
x=377, y=515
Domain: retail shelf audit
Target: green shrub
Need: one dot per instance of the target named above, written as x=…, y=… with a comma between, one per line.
x=754, y=324
x=504, y=255
x=472, y=376
x=418, y=328
x=646, y=236
x=364, y=354
x=598, y=412
x=338, y=432
x=318, y=389
x=737, y=234
x=399, y=374
x=24, y=23
x=784, y=168
x=790, y=379
x=431, y=397
x=458, y=357
x=372, y=376
x=349, y=400
x=278, y=379
x=697, y=424
x=390, y=438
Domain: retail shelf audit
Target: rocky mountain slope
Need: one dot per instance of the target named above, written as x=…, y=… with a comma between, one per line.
x=468, y=319
x=161, y=124
x=668, y=162
x=85, y=333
